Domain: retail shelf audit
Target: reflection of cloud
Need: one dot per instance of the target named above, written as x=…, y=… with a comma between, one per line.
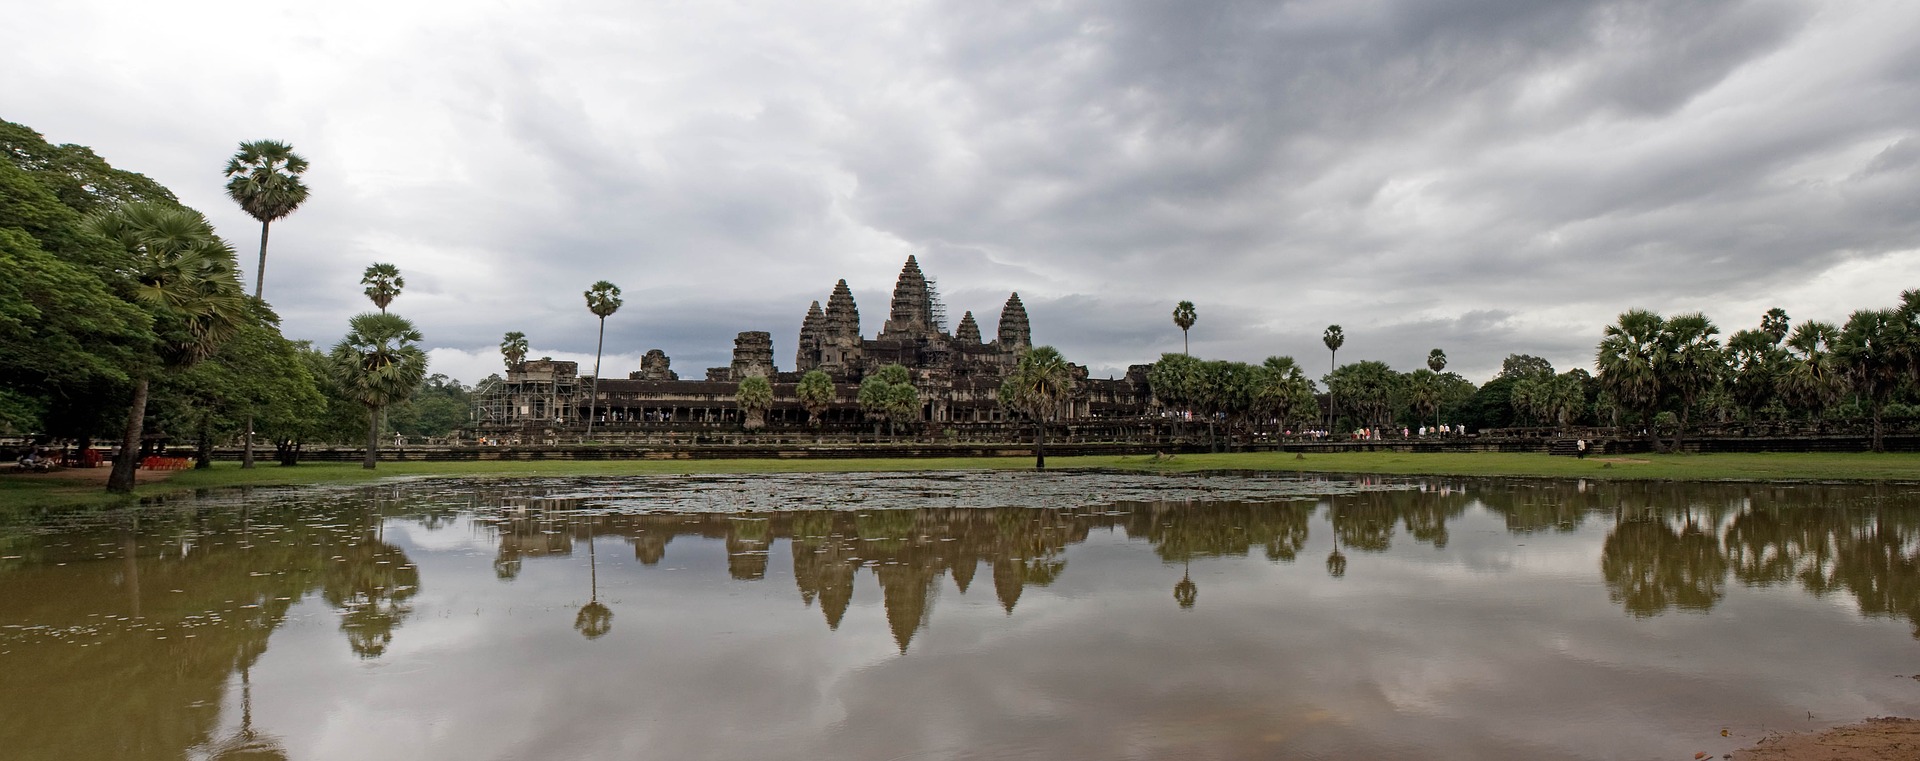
x=1504, y=645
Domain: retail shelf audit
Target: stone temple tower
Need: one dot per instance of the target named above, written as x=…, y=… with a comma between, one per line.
x=968, y=332
x=840, y=343
x=912, y=312
x=1014, y=333
x=812, y=335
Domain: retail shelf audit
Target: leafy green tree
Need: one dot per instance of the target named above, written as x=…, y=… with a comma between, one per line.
x=888, y=395
x=1285, y=393
x=182, y=275
x=383, y=282
x=65, y=336
x=256, y=375
x=1869, y=352
x=603, y=299
x=378, y=363
x=77, y=177
x=264, y=178
x=1175, y=381
x=1525, y=366
x=1437, y=360
x=816, y=393
x=1423, y=395
x=440, y=406
x=1184, y=316
x=755, y=396
x=1367, y=390
x=1038, y=386
x=513, y=349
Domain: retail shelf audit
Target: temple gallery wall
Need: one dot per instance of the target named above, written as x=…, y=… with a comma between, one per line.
x=957, y=375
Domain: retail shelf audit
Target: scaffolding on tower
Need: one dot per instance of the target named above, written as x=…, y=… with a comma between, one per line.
x=936, y=309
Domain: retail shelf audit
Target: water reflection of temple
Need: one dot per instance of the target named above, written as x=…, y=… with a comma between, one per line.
x=910, y=552
x=1669, y=546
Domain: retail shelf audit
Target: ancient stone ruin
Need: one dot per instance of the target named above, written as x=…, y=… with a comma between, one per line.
x=957, y=375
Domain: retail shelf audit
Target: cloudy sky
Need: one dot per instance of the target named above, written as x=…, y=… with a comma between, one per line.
x=1482, y=176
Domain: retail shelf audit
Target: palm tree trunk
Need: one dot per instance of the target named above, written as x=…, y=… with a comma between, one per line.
x=1879, y=445
x=1653, y=433
x=373, y=439
x=1039, y=444
x=203, y=448
x=246, y=445
x=121, y=479
x=593, y=389
x=1184, y=347
x=260, y=272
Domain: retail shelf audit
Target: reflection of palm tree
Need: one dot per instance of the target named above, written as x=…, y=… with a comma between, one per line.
x=246, y=743
x=594, y=620
x=1186, y=592
x=1336, y=562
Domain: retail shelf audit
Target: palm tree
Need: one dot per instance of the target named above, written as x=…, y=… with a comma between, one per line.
x=1632, y=357
x=379, y=362
x=513, y=348
x=1037, y=386
x=1810, y=379
x=383, y=284
x=1437, y=360
x=1696, y=363
x=754, y=396
x=595, y=619
x=816, y=394
x=1334, y=338
x=264, y=178
x=1868, y=351
x=1184, y=316
x=1774, y=323
x=182, y=274
x=603, y=299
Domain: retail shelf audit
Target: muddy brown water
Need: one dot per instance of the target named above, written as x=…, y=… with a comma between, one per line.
x=988, y=615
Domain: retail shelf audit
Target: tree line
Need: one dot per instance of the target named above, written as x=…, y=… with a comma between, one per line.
x=1660, y=377
x=122, y=315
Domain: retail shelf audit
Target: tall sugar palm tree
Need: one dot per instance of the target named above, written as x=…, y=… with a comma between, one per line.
x=379, y=362
x=1775, y=323
x=264, y=178
x=383, y=284
x=183, y=275
x=1810, y=379
x=513, y=349
x=816, y=394
x=1437, y=361
x=1037, y=386
x=1334, y=338
x=1868, y=352
x=1632, y=356
x=603, y=299
x=1696, y=363
x=1184, y=316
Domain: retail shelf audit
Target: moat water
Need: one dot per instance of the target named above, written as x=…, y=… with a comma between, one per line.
x=962, y=616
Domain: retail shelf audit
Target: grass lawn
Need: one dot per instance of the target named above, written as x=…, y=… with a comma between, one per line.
x=27, y=494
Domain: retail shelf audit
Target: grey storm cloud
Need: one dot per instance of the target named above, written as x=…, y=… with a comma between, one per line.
x=1485, y=177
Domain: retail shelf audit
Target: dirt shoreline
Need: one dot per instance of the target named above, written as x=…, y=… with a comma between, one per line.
x=1881, y=739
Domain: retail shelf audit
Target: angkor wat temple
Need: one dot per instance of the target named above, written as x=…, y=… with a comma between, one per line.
x=957, y=375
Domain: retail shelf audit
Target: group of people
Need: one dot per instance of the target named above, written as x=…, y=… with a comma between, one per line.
x=36, y=458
